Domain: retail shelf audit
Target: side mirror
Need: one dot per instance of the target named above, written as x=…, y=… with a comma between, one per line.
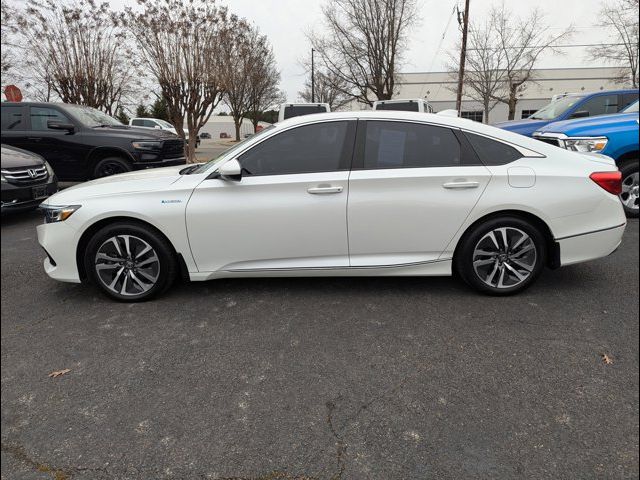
x=53, y=125
x=580, y=114
x=232, y=170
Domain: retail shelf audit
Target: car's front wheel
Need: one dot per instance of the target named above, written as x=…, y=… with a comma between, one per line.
x=130, y=262
x=630, y=195
x=501, y=256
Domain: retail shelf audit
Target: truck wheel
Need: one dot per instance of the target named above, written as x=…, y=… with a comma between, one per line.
x=111, y=166
x=630, y=188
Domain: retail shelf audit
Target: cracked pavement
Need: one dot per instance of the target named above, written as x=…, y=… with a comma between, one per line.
x=328, y=378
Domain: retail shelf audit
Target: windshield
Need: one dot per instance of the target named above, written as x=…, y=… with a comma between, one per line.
x=92, y=117
x=557, y=108
x=164, y=124
x=235, y=148
x=633, y=108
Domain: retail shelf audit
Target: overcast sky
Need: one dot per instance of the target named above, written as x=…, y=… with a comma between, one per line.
x=285, y=23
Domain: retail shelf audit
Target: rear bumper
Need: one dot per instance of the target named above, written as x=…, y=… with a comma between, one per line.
x=590, y=245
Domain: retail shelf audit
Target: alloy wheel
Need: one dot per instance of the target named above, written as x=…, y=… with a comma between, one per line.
x=631, y=191
x=505, y=257
x=127, y=265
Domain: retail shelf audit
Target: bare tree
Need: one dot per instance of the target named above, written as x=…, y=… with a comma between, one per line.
x=620, y=17
x=522, y=41
x=73, y=50
x=328, y=89
x=181, y=44
x=7, y=57
x=264, y=92
x=484, y=79
x=363, y=44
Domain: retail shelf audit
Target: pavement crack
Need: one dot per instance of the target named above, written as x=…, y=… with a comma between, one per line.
x=341, y=447
x=18, y=452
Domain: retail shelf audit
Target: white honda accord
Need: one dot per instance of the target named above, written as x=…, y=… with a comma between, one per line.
x=343, y=194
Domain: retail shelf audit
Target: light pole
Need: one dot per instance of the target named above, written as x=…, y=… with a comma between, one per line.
x=313, y=78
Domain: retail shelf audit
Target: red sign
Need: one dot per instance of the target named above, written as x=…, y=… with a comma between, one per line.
x=13, y=93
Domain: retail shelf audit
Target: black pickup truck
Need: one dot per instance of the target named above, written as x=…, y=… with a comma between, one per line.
x=82, y=143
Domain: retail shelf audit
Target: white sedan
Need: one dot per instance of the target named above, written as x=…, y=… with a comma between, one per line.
x=343, y=194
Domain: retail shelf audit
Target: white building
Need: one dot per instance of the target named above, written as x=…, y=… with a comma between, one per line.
x=439, y=89
x=223, y=124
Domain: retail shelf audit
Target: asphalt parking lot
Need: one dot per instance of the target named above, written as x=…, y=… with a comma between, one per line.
x=386, y=378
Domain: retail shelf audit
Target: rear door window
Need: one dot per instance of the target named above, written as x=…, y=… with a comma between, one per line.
x=12, y=118
x=600, y=105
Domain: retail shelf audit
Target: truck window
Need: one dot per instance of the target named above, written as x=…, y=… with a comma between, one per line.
x=299, y=110
x=399, y=106
x=12, y=118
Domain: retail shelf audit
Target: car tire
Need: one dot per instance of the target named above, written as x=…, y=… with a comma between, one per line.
x=143, y=261
x=629, y=195
x=111, y=166
x=488, y=265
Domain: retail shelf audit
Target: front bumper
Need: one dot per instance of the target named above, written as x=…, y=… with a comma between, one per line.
x=60, y=241
x=167, y=162
x=16, y=198
x=591, y=245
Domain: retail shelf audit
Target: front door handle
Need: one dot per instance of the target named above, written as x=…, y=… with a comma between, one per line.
x=461, y=185
x=324, y=190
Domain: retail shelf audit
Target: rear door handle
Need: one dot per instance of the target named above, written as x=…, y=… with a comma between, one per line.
x=324, y=190
x=461, y=185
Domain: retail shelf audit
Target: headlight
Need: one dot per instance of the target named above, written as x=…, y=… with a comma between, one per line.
x=49, y=169
x=147, y=145
x=58, y=213
x=591, y=144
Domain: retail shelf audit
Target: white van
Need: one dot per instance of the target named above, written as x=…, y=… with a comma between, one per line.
x=159, y=125
x=407, y=105
x=290, y=110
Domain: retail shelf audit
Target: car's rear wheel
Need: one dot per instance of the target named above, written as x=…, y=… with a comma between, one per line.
x=130, y=262
x=630, y=195
x=111, y=166
x=501, y=256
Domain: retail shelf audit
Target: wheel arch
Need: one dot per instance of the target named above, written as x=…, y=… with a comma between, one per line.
x=91, y=230
x=100, y=153
x=553, y=247
x=625, y=157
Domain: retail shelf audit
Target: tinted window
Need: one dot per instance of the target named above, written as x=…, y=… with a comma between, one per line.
x=399, y=106
x=492, y=152
x=41, y=115
x=137, y=123
x=628, y=99
x=320, y=147
x=299, y=110
x=476, y=116
x=600, y=105
x=12, y=118
x=409, y=145
x=150, y=123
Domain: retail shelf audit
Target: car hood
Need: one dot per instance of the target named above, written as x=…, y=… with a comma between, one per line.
x=13, y=157
x=140, y=181
x=135, y=133
x=594, y=125
x=522, y=126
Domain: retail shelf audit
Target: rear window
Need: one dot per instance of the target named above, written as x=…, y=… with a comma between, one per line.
x=300, y=110
x=492, y=152
x=399, y=106
x=12, y=118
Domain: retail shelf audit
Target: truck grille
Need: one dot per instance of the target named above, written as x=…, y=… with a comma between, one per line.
x=173, y=148
x=25, y=176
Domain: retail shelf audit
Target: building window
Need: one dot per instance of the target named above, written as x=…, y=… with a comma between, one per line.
x=476, y=116
x=527, y=113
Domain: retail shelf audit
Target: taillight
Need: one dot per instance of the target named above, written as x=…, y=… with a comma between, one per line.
x=610, y=181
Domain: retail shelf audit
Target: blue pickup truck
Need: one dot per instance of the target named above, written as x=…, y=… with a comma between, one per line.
x=574, y=105
x=613, y=135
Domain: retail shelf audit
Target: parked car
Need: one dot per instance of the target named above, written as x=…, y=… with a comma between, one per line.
x=570, y=106
x=159, y=124
x=27, y=179
x=427, y=195
x=613, y=135
x=409, y=105
x=205, y=135
x=290, y=110
x=82, y=143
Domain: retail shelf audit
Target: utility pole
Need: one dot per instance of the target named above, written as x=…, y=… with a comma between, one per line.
x=464, y=22
x=313, y=78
